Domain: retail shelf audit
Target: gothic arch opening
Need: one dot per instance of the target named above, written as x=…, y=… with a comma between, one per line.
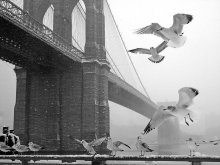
x=49, y=17
x=19, y=3
x=79, y=25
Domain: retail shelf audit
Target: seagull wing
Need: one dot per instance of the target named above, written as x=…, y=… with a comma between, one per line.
x=151, y=29
x=140, y=51
x=97, y=142
x=158, y=118
x=186, y=95
x=72, y=138
x=146, y=147
x=118, y=143
x=36, y=146
x=79, y=141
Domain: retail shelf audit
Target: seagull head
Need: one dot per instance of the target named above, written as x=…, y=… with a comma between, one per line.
x=190, y=139
x=195, y=91
x=189, y=17
x=171, y=108
x=30, y=143
x=183, y=18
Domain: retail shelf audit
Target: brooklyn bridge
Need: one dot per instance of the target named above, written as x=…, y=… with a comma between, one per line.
x=67, y=56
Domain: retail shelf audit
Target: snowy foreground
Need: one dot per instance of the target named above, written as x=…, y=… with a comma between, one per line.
x=73, y=158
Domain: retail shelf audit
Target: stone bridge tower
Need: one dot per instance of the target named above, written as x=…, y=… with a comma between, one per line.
x=52, y=104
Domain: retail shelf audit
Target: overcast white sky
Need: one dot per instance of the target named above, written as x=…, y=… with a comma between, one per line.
x=196, y=64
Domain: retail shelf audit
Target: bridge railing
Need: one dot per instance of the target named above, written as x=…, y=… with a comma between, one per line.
x=22, y=18
x=101, y=159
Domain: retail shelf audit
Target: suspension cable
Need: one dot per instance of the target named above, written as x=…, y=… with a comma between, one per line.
x=127, y=52
x=114, y=64
x=108, y=55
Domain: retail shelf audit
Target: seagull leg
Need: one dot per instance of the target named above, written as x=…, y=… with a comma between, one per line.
x=186, y=121
x=190, y=117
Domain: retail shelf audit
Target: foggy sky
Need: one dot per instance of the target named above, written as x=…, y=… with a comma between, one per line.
x=196, y=64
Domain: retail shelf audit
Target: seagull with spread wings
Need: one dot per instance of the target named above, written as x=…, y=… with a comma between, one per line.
x=186, y=95
x=215, y=141
x=142, y=146
x=154, y=52
x=172, y=36
x=89, y=146
x=114, y=146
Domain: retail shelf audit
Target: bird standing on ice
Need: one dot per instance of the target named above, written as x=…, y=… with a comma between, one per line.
x=192, y=146
x=142, y=147
x=20, y=148
x=5, y=148
x=172, y=36
x=186, y=95
x=34, y=147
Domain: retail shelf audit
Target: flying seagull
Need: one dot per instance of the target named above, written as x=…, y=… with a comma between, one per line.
x=186, y=95
x=172, y=36
x=89, y=146
x=114, y=146
x=142, y=147
x=154, y=52
x=215, y=141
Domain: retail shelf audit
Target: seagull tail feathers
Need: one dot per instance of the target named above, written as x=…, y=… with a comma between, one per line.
x=156, y=60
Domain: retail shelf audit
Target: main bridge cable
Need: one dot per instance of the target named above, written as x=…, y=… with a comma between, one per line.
x=114, y=65
x=105, y=50
x=127, y=52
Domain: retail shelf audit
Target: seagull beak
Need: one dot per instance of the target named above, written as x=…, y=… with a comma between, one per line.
x=195, y=91
x=189, y=17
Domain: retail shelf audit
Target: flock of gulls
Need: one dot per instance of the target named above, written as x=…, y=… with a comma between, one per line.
x=172, y=37
x=113, y=146
x=18, y=148
x=186, y=95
